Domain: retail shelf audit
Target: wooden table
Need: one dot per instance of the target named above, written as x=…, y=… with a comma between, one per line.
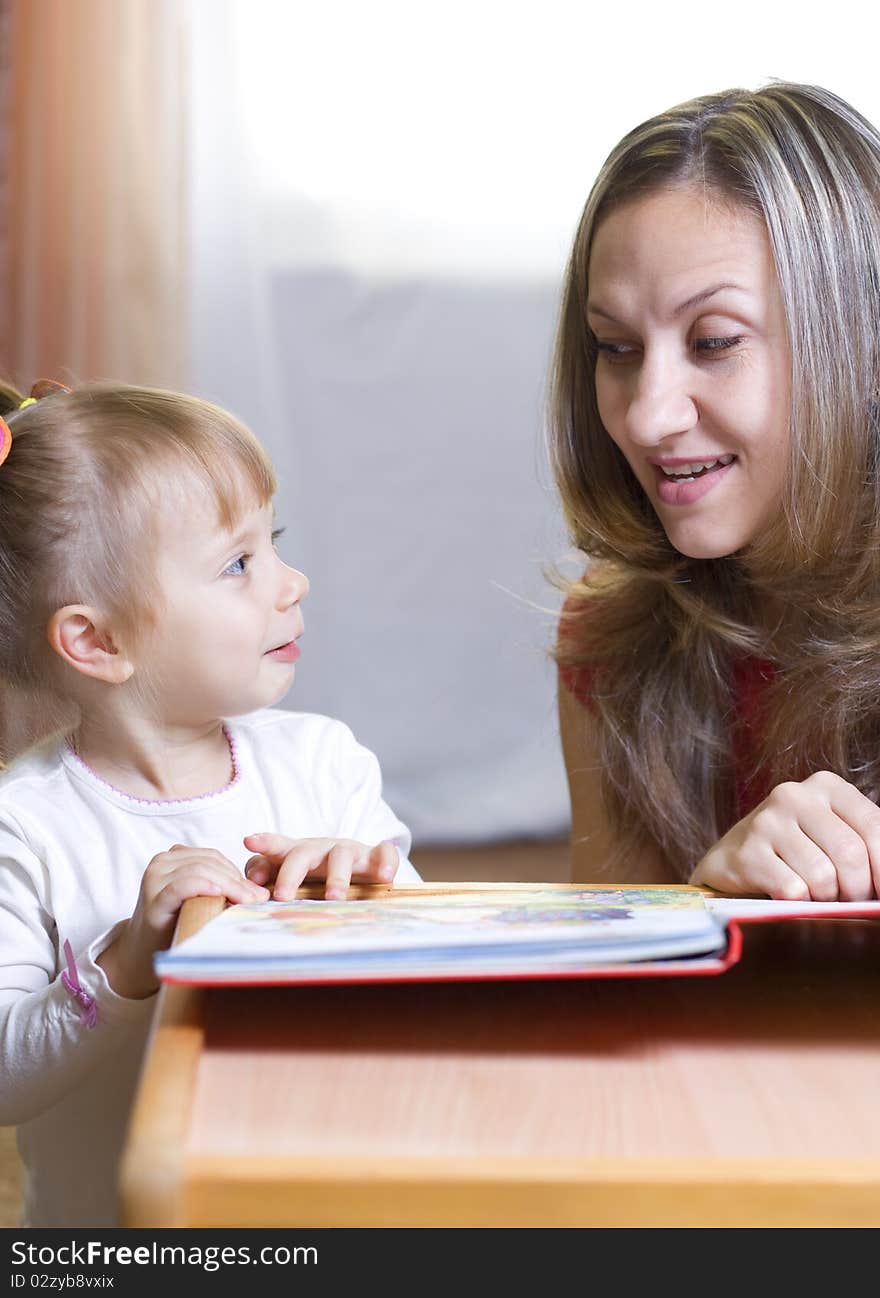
x=745, y=1099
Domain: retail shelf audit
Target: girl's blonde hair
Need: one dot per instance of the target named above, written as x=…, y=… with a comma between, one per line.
x=84, y=493
x=660, y=632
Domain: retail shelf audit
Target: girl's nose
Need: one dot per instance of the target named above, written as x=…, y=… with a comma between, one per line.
x=294, y=587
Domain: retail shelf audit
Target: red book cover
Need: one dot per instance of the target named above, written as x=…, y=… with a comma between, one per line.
x=478, y=931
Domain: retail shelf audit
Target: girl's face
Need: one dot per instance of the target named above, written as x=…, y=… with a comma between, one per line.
x=692, y=375
x=230, y=600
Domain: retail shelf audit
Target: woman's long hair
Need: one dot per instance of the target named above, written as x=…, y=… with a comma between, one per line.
x=659, y=632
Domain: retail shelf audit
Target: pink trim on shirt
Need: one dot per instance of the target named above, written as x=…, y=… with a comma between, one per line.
x=162, y=802
x=88, y=1010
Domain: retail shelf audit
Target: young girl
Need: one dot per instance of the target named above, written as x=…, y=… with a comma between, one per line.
x=139, y=581
x=715, y=428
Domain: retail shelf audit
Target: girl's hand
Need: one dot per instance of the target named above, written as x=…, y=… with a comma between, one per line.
x=817, y=840
x=169, y=880
x=287, y=861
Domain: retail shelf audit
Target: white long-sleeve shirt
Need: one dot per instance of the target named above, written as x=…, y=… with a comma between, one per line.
x=73, y=850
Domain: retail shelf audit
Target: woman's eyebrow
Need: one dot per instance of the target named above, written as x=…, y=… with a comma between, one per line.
x=698, y=298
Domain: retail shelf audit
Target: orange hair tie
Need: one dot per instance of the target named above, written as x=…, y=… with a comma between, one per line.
x=42, y=388
x=45, y=388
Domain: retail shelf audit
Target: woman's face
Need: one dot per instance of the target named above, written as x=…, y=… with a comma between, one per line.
x=692, y=374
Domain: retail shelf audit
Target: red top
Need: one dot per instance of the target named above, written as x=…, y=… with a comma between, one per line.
x=750, y=679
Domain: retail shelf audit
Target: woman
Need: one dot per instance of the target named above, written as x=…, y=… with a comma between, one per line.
x=714, y=431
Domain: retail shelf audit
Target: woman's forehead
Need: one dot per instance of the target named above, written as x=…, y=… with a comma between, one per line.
x=685, y=217
x=674, y=240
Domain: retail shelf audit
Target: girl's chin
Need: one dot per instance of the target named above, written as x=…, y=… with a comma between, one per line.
x=265, y=693
x=284, y=685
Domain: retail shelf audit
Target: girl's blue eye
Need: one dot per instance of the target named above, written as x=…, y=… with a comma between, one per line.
x=238, y=567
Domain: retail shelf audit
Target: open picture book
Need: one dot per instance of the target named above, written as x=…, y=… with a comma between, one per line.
x=469, y=931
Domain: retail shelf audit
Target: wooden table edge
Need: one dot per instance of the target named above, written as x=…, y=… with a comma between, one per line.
x=476, y=1192
x=151, y=1176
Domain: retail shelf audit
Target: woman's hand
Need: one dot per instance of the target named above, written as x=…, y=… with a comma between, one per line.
x=817, y=840
x=286, y=862
x=169, y=880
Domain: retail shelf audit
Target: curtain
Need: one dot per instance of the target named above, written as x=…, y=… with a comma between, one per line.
x=93, y=206
x=94, y=192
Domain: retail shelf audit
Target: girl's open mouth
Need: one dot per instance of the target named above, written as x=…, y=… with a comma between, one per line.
x=285, y=653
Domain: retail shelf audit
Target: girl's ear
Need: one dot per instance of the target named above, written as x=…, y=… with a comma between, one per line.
x=75, y=633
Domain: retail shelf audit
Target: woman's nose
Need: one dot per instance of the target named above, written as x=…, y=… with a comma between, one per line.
x=661, y=403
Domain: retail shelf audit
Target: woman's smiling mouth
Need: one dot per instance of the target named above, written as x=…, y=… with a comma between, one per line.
x=683, y=481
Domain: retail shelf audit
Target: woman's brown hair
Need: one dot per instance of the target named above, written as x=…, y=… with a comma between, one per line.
x=659, y=632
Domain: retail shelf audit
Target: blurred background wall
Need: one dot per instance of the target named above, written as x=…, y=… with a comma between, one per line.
x=349, y=223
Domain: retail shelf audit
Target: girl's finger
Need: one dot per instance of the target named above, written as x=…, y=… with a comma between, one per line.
x=180, y=857
x=274, y=846
x=382, y=863
x=340, y=864
x=230, y=883
x=228, y=877
x=169, y=899
x=260, y=870
x=174, y=866
x=262, y=874
x=305, y=857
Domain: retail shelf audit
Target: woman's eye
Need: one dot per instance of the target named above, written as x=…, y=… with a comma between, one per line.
x=615, y=352
x=716, y=344
x=279, y=531
x=238, y=571
x=621, y=353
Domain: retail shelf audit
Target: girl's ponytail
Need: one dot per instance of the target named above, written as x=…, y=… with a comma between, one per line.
x=10, y=398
